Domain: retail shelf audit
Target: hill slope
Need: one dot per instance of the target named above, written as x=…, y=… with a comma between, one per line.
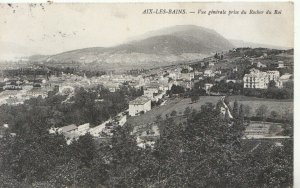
x=162, y=47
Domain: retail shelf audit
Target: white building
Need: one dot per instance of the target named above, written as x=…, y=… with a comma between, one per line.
x=260, y=65
x=211, y=64
x=207, y=87
x=280, y=64
x=83, y=129
x=209, y=73
x=187, y=76
x=149, y=92
x=285, y=78
x=140, y=104
x=260, y=80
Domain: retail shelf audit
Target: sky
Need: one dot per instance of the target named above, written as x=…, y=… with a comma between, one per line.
x=27, y=29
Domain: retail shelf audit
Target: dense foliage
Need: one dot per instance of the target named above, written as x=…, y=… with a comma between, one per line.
x=206, y=150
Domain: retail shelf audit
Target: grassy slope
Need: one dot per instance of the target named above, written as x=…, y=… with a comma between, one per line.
x=179, y=105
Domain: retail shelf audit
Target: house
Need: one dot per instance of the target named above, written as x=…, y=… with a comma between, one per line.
x=66, y=90
x=174, y=74
x=68, y=129
x=35, y=92
x=280, y=64
x=220, y=79
x=260, y=80
x=260, y=65
x=149, y=92
x=230, y=80
x=159, y=96
x=83, y=129
x=70, y=132
x=3, y=130
x=11, y=87
x=140, y=104
x=187, y=76
x=211, y=64
x=148, y=137
x=209, y=73
x=207, y=87
x=121, y=120
x=184, y=83
x=218, y=72
x=285, y=78
x=197, y=73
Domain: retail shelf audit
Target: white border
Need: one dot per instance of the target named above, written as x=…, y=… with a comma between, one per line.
x=296, y=56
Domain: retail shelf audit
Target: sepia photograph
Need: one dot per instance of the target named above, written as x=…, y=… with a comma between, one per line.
x=147, y=95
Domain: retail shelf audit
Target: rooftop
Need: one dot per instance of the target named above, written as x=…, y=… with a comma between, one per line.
x=140, y=100
x=286, y=76
x=68, y=128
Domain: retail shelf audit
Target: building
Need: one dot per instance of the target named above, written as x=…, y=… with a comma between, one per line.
x=149, y=92
x=280, y=64
x=209, y=73
x=260, y=65
x=187, y=76
x=211, y=63
x=121, y=120
x=66, y=90
x=68, y=129
x=285, y=78
x=83, y=129
x=140, y=104
x=257, y=79
x=3, y=130
x=207, y=87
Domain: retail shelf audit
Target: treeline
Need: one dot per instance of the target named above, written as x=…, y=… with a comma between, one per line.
x=227, y=88
x=24, y=72
x=270, y=93
x=287, y=92
x=204, y=151
x=48, y=71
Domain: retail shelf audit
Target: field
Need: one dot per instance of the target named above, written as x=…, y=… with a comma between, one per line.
x=280, y=106
x=179, y=104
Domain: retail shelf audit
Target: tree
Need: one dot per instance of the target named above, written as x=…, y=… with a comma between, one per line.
x=194, y=98
x=274, y=114
x=272, y=84
x=177, y=89
x=235, y=112
x=84, y=149
x=226, y=117
x=158, y=118
x=187, y=111
x=173, y=113
x=241, y=113
x=247, y=110
x=262, y=111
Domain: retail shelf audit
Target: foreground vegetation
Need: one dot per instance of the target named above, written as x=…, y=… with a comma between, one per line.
x=204, y=151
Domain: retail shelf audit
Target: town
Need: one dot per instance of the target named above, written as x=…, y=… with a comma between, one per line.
x=234, y=73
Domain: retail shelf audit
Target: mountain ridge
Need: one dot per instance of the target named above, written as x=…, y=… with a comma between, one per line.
x=166, y=46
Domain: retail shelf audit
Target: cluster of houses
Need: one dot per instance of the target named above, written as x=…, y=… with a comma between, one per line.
x=104, y=130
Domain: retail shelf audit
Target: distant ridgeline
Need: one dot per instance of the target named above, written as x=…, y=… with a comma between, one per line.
x=49, y=70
